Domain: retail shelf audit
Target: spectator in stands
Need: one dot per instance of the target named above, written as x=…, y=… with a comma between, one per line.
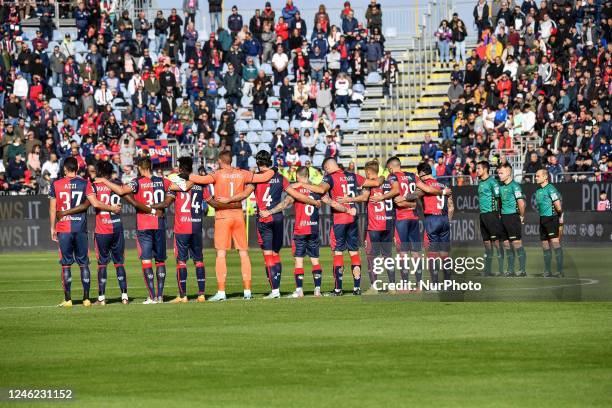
x=342, y=87
x=234, y=22
x=332, y=149
x=428, y=148
x=444, y=36
x=16, y=173
x=242, y=151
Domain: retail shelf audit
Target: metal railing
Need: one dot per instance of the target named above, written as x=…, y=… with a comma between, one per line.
x=564, y=177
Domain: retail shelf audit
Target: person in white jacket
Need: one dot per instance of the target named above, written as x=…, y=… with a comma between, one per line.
x=20, y=86
x=103, y=96
x=343, y=87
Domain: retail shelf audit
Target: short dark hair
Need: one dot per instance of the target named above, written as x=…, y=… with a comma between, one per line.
x=185, y=164
x=226, y=157
x=506, y=165
x=71, y=165
x=484, y=164
x=424, y=168
x=326, y=160
x=263, y=158
x=372, y=166
x=104, y=169
x=394, y=160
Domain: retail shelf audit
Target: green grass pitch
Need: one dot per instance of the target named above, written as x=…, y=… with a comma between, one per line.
x=345, y=351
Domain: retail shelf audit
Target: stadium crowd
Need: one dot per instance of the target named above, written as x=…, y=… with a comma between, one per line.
x=538, y=84
x=271, y=80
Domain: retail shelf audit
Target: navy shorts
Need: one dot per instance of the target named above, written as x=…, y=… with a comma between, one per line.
x=344, y=237
x=408, y=235
x=73, y=248
x=379, y=243
x=110, y=246
x=306, y=245
x=437, y=228
x=270, y=235
x=188, y=246
x=151, y=244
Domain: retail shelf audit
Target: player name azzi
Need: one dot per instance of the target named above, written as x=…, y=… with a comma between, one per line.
x=33, y=394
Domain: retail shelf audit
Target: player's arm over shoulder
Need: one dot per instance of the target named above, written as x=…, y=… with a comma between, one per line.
x=303, y=198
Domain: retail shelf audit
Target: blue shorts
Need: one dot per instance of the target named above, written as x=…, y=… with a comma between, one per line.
x=188, y=246
x=110, y=246
x=73, y=247
x=306, y=245
x=437, y=228
x=151, y=244
x=379, y=243
x=408, y=235
x=270, y=235
x=344, y=237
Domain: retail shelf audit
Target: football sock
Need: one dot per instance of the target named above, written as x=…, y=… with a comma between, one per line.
x=447, y=270
x=102, y=280
x=371, y=273
x=268, y=266
x=277, y=268
x=559, y=258
x=221, y=272
x=338, y=266
x=356, y=270
x=245, y=267
x=433, y=264
x=160, y=271
x=391, y=274
x=419, y=269
x=510, y=253
x=181, y=277
x=488, y=261
x=299, y=277
x=547, y=260
x=200, y=277
x=317, y=275
x=149, y=278
x=522, y=256
x=66, y=281
x=121, y=277
x=500, y=259
x=86, y=280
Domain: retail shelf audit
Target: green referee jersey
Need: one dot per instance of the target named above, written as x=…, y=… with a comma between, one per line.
x=488, y=195
x=510, y=194
x=545, y=197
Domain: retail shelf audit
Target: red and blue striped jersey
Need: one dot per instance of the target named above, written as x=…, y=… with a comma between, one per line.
x=343, y=184
x=107, y=222
x=189, y=208
x=407, y=184
x=268, y=195
x=435, y=204
x=70, y=192
x=306, y=215
x=380, y=214
x=150, y=191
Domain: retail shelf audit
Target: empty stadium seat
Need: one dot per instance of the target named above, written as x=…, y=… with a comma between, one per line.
x=269, y=124
x=56, y=104
x=303, y=158
x=267, y=69
x=341, y=113
x=351, y=125
x=255, y=125
x=245, y=101
x=276, y=89
x=57, y=91
x=252, y=137
x=263, y=146
x=373, y=78
x=317, y=160
x=222, y=91
x=354, y=113
x=252, y=162
x=340, y=123
x=265, y=137
x=271, y=114
x=241, y=126
x=321, y=147
x=283, y=124
x=296, y=124
x=358, y=88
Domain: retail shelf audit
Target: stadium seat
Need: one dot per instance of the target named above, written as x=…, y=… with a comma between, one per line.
x=267, y=69
x=117, y=114
x=222, y=91
x=352, y=125
x=56, y=104
x=340, y=123
x=341, y=113
x=271, y=114
x=245, y=101
x=220, y=103
x=274, y=102
x=78, y=58
x=252, y=137
x=321, y=147
x=373, y=78
x=57, y=91
x=255, y=125
x=391, y=32
x=283, y=124
x=241, y=126
x=269, y=124
x=354, y=113
x=218, y=113
x=253, y=147
x=296, y=124
x=317, y=160
x=276, y=89
x=265, y=137
x=252, y=162
x=263, y=146
x=79, y=47
x=303, y=158
x=358, y=88
x=51, y=46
